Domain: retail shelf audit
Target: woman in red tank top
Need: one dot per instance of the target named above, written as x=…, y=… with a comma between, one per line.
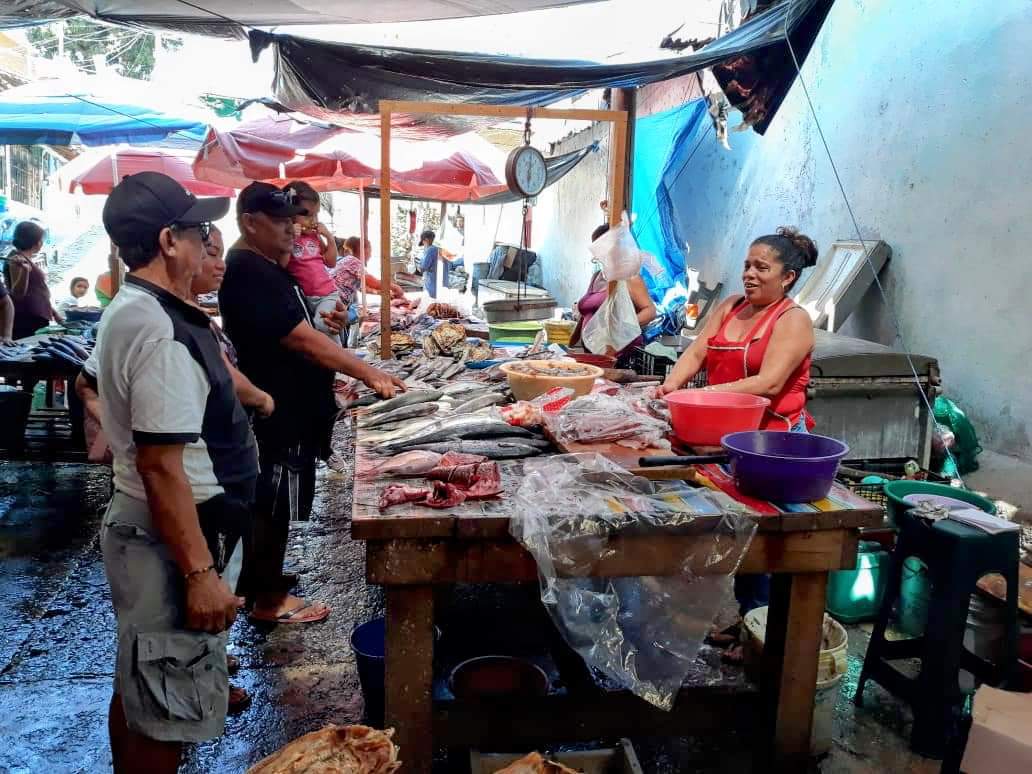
x=759, y=343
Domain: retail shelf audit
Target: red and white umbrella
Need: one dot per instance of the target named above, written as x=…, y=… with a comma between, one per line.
x=278, y=149
x=98, y=171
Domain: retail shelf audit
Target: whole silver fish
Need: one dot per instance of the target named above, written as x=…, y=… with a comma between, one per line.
x=479, y=402
x=453, y=370
x=410, y=463
x=461, y=387
x=451, y=427
x=371, y=438
x=495, y=450
x=405, y=412
x=405, y=399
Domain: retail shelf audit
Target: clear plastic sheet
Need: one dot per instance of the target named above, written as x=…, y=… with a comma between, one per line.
x=600, y=418
x=642, y=633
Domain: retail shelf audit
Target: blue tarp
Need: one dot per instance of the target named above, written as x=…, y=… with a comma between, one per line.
x=663, y=143
x=58, y=113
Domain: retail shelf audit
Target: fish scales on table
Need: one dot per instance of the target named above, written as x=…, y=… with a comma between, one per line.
x=412, y=411
x=405, y=399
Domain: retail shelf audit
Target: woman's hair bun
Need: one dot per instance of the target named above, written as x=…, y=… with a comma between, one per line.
x=807, y=247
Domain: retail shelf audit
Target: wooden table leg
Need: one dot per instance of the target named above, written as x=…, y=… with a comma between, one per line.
x=792, y=650
x=409, y=674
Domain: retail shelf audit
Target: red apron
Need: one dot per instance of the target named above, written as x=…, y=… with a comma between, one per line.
x=729, y=361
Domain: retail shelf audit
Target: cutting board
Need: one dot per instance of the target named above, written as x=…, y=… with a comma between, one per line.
x=627, y=458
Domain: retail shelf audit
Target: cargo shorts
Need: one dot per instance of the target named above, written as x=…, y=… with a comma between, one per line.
x=173, y=682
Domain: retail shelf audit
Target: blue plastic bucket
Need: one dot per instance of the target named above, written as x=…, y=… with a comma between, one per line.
x=368, y=644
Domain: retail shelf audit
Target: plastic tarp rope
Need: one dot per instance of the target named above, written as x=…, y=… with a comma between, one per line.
x=641, y=633
x=316, y=76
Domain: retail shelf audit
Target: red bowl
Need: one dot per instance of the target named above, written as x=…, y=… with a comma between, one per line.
x=702, y=417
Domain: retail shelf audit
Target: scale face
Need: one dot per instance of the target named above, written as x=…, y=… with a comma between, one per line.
x=525, y=171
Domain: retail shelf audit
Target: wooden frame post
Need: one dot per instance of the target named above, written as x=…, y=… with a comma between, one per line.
x=385, y=234
x=617, y=169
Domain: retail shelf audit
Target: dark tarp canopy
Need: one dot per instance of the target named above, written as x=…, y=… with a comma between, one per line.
x=322, y=78
x=229, y=17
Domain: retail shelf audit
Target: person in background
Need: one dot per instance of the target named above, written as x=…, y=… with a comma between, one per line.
x=350, y=270
x=759, y=343
x=282, y=353
x=313, y=254
x=598, y=292
x=27, y=283
x=77, y=289
x=6, y=315
x=428, y=263
x=181, y=444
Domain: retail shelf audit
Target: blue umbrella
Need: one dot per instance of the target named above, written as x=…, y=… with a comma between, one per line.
x=94, y=111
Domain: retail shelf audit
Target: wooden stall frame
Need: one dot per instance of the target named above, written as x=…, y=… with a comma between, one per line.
x=617, y=169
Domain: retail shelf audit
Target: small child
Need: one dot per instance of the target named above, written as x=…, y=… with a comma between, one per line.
x=314, y=254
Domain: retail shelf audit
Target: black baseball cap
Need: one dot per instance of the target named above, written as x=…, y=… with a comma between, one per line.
x=143, y=204
x=265, y=197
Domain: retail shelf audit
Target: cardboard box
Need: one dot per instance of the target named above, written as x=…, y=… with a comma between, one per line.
x=1001, y=733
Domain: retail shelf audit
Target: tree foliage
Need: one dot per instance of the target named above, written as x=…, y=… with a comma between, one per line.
x=129, y=51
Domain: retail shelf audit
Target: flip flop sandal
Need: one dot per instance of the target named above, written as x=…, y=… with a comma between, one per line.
x=725, y=637
x=292, y=616
x=734, y=656
x=239, y=699
x=232, y=664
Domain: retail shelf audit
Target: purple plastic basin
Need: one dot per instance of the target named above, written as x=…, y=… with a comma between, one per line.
x=784, y=467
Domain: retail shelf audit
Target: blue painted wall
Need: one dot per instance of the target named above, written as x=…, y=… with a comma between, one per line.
x=926, y=108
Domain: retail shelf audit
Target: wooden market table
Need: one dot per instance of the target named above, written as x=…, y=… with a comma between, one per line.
x=412, y=549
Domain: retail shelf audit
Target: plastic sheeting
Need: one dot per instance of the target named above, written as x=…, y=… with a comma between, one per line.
x=642, y=633
x=658, y=139
x=316, y=76
x=225, y=17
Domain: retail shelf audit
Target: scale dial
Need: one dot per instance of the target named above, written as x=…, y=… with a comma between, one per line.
x=525, y=171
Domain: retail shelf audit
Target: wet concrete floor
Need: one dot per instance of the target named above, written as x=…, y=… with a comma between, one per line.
x=57, y=647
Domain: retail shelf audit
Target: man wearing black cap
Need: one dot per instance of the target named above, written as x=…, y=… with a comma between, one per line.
x=279, y=350
x=180, y=441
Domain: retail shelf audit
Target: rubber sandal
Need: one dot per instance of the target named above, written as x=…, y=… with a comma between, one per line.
x=239, y=699
x=734, y=656
x=292, y=616
x=232, y=664
x=725, y=637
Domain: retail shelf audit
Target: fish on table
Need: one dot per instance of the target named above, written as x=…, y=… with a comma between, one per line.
x=405, y=399
x=492, y=449
x=412, y=411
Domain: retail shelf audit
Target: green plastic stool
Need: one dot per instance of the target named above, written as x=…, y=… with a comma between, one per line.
x=956, y=557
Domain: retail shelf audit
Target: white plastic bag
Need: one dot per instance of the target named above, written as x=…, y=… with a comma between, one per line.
x=615, y=324
x=618, y=254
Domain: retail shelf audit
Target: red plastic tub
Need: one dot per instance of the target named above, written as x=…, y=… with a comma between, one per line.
x=702, y=418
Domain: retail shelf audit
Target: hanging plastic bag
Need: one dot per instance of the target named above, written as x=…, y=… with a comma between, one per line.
x=619, y=256
x=615, y=324
x=643, y=633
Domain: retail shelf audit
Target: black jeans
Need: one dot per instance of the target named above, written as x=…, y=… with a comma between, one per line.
x=286, y=489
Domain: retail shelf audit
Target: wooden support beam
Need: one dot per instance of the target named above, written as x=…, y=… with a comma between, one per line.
x=385, y=234
x=499, y=111
x=413, y=562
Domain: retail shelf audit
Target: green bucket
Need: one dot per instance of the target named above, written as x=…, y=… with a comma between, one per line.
x=856, y=595
x=895, y=491
x=915, y=590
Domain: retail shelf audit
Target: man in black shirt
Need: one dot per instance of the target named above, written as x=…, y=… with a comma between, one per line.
x=267, y=320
